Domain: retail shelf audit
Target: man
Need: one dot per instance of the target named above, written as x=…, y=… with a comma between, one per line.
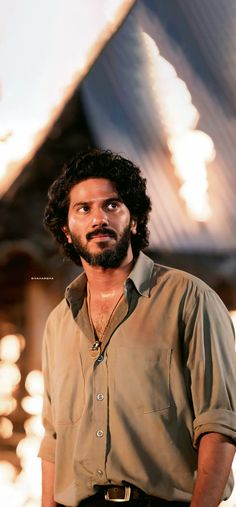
x=138, y=358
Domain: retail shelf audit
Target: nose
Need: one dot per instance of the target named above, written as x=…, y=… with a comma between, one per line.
x=99, y=218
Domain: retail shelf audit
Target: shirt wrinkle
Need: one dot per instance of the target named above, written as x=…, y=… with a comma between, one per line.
x=134, y=411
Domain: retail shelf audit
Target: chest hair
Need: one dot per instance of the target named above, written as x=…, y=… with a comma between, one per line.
x=101, y=312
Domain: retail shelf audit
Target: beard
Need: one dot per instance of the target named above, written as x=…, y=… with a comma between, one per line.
x=110, y=257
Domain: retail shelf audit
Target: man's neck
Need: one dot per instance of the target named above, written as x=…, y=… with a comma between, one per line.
x=106, y=282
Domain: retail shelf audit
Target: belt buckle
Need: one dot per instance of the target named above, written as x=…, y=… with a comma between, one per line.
x=126, y=496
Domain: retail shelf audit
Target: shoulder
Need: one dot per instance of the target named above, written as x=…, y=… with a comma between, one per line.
x=185, y=290
x=178, y=278
x=157, y=279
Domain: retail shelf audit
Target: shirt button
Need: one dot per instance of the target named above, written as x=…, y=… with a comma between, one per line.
x=100, y=358
x=100, y=472
x=100, y=397
x=99, y=433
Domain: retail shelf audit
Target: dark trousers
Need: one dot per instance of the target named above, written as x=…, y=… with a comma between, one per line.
x=132, y=503
x=142, y=502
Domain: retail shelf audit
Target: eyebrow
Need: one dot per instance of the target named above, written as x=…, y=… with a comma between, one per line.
x=111, y=199
x=106, y=201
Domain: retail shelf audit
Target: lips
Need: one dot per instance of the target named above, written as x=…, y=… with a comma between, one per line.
x=101, y=234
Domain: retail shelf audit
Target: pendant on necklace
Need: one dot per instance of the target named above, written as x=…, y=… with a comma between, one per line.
x=95, y=346
x=95, y=350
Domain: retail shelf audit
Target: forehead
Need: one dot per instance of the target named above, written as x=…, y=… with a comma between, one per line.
x=93, y=189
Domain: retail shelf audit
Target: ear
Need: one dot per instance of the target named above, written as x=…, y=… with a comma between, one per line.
x=133, y=225
x=67, y=234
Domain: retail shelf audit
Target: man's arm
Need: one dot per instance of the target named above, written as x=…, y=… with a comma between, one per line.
x=215, y=456
x=48, y=444
x=48, y=484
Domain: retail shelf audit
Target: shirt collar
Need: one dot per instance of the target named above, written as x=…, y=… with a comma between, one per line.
x=74, y=293
x=140, y=277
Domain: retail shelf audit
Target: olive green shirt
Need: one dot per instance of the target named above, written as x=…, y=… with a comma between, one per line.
x=134, y=410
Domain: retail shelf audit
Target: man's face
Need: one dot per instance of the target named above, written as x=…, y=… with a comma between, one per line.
x=99, y=223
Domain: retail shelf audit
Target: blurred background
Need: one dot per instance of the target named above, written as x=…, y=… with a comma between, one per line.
x=152, y=80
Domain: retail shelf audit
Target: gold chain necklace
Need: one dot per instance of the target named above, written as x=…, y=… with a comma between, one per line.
x=98, y=340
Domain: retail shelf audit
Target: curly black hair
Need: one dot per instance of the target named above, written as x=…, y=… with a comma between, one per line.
x=95, y=163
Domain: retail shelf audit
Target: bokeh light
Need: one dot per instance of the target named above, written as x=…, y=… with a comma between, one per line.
x=10, y=348
x=7, y=405
x=32, y=404
x=34, y=383
x=6, y=427
x=20, y=489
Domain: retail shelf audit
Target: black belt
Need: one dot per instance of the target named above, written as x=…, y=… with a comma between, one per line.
x=123, y=494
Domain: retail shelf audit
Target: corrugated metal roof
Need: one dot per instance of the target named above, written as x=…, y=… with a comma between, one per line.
x=119, y=101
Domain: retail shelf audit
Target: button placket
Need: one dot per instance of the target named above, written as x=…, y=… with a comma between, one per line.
x=100, y=417
x=100, y=386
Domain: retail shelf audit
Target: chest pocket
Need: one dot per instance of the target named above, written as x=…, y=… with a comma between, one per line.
x=68, y=393
x=142, y=378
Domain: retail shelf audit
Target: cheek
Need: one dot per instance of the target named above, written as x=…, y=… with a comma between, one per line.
x=71, y=221
x=123, y=219
x=73, y=227
x=77, y=227
x=75, y=224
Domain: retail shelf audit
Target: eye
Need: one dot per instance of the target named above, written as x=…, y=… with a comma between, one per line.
x=83, y=209
x=112, y=205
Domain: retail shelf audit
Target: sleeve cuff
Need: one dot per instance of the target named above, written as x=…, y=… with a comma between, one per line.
x=47, y=449
x=218, y=421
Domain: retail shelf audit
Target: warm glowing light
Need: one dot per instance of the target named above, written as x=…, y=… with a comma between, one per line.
x=24, y=489
x=10, y=495
x=34, y=383
x=6, y=387
x=32, y=404
x=192, y=170
x=30, y=478
x=190, y=149
x=28, y=113
x=33, y=426
x=27, y=448
x=7, y=405
x=32, y=503
x=7, y=472
x=6, y=427
x=9, y=373
x=10, y=348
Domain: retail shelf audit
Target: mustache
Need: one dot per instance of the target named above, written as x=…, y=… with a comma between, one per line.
x=99, y=231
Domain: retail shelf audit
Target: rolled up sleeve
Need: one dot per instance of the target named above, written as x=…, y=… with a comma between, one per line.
x=212, y=366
